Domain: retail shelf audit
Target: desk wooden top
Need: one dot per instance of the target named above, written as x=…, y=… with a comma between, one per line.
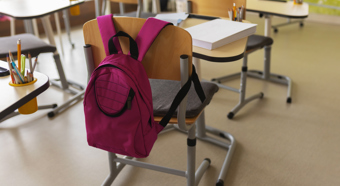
x=12, y=98
x=29, y=9
x=227, y=53
x=282, y=9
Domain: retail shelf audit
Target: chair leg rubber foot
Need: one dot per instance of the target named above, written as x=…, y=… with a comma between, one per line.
x=50, y=114
x=261, y=95
x=208, y=159
x=220, y=183
x=54, y=105
x=230, y=115
x=216, y=80
x=289, y=100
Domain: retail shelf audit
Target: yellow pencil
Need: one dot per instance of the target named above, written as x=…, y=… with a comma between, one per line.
x=19, y=54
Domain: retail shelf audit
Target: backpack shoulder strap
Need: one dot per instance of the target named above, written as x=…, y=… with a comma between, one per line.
x=181, y=94
x=107, y=30
x=147, y=35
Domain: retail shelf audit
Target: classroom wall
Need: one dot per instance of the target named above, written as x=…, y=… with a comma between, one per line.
x=323, y=10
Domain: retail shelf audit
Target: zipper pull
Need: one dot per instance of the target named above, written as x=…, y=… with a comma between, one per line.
x=129, y=100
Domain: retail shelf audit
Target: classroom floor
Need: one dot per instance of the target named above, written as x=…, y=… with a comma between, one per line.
x=277, y=143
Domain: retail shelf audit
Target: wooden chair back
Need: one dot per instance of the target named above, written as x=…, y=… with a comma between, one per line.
x=217, y=8
x=162, y=61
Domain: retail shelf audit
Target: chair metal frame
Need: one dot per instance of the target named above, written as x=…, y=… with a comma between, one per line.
x=265, y=74
x=194, y=5
x=116, y=164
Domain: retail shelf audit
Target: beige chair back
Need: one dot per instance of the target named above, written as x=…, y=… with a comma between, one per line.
x=217, y=8
x=162, y=59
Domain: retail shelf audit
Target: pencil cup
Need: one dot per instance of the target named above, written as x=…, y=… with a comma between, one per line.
x=31, y=106
x=75, y=10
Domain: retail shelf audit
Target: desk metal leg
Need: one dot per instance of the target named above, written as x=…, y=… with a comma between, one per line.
x=97, y=8
x=67, y=26
x=139, y=8
x=12, y=25
x=49, y=33
x=121, y=8
x=104, y=2
x=35, y=27
x=57, y=24
x=64, y=83
x=28, y=26
x=156, y=7
x=267, y=25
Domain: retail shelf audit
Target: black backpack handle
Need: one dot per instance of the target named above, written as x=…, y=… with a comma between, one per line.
x=133, y=45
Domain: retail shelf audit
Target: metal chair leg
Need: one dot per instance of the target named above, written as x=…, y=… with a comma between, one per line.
x=268, y=76
x=193, y=177
x=242, y=91
x=67, y=26
x=264, y=75
x=230, y=145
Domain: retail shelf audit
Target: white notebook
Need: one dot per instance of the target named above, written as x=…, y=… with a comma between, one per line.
x=174, y=18
x=219, y=32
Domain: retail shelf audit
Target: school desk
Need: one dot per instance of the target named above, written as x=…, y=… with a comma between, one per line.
x=227, y=53
x=29, y=9
x=275, y=8
x=14, y=97
x=155, y=6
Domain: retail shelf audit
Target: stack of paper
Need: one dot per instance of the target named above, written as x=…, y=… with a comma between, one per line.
x=219, y=32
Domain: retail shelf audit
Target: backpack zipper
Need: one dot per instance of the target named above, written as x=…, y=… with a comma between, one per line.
x=131, y=93
x=114, y=66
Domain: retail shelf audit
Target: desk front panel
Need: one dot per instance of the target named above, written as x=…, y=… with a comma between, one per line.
x=283, y=9
x=28, y=9
x=227, y=53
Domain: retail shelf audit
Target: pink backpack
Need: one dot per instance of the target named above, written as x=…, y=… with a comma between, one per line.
x=118, y=100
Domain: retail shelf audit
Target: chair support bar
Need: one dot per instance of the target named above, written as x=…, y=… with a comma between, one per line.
x=116, y=164
x=151, y=166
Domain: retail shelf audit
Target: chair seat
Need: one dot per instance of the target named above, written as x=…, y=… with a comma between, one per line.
x=29, y=43
x=258, y=41
x=144, y=15
x=164, y=92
